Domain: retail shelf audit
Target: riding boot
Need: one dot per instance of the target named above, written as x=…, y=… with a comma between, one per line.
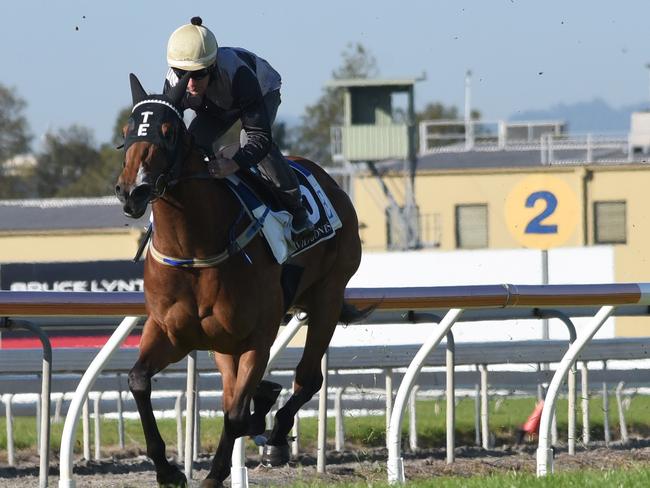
x=277, y=169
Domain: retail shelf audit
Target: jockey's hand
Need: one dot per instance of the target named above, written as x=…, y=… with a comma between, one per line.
x=222, y=167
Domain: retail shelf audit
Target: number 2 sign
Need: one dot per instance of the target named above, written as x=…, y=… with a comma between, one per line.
x=542, y=211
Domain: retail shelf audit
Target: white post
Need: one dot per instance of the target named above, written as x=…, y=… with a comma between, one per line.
x=86, y=382
x=571, y=434
x=606, y=431
x=544, y=451
x=85, y=422
x=295, y=445
x=11, y=453
x=395, y=462
x=485, y=411
x=477, y=414
x=340, y=428
x=388, y=373
x=179, y=426
x=451, y=399
x=413, y=419
x=190, y=410
x=621, y=414
x=584, y=391
x=120, y=413
x=322, y=418
x=98, y=427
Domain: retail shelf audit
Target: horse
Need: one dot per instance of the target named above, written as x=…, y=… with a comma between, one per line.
x=232, y=306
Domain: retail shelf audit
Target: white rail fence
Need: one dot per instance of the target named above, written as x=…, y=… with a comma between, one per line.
x=455, y=300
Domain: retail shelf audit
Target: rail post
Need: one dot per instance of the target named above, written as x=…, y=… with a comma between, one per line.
x=544, y=451
x=81, y=393
x=395, y=462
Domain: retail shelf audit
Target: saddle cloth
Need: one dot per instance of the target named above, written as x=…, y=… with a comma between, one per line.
x=276, y=224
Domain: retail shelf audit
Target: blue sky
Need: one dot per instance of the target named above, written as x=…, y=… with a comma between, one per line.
x=524, y=54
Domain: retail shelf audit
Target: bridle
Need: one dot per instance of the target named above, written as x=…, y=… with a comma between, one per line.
x=174, y=149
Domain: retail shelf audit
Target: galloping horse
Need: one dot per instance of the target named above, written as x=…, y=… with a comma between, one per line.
x=232, y=305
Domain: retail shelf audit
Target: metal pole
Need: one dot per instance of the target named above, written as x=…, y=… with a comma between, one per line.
x=544, y=451
x=606, y=431
x=295, y=445
x=11, y=452
x=190, y=399
x=340, y=428
x=477, y=414
x=571, y=434
x=98, y=431
x=395, y=465
x=85, y=423
x=413, y=419
x=388, y=373
x=197, y=424
x=179, y=426
x=621, y=414
x=485, y=413
x=322, y=418
x=469, y=128
x=120, y=413
x=584, y=391
x=86, y=382
x=43, y=428
x=451, y=398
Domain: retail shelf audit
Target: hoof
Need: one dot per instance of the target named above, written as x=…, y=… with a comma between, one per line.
x=210, y=483
x=175, y=479
x=276, y=455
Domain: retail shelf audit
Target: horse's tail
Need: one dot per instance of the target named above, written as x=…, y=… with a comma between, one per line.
x=350, y=314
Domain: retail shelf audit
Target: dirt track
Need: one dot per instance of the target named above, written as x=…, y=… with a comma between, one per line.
x=365, y=466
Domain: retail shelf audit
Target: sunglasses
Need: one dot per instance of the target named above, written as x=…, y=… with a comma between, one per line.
x=195, y=75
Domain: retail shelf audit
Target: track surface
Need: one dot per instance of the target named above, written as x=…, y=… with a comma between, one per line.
x=350, y=466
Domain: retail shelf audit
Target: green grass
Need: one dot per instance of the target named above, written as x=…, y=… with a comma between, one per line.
x=370, y=431
x=631, y=477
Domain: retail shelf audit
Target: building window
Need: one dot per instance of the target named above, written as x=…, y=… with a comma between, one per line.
x=471, y=226
x=609, y=222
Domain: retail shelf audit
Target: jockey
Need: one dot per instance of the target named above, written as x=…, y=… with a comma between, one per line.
x=229, y=84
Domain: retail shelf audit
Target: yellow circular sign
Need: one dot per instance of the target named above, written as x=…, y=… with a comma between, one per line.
x=542, y=211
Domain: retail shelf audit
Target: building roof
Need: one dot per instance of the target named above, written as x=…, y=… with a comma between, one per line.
x=66, y=214
x=518, y=158
x=368, y=82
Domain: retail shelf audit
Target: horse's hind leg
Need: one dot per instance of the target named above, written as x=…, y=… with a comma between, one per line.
x=155, y=354
x=323, y=317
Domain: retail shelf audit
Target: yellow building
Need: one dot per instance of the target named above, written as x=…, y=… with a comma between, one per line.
x=504, y=199
x=66, y=229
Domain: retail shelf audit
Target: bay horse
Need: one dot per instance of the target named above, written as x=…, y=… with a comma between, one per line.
x=233, y=307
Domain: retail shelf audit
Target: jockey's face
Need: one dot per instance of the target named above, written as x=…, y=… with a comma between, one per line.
x=197, y=88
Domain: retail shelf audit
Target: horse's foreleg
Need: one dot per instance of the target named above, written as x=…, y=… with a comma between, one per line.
x=147, y=365
x=240, y=377
x=323, y=317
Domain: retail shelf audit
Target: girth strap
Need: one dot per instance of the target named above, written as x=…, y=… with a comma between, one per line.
x=233, y=248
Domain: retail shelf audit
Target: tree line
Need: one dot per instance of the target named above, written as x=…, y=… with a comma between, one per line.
x=71, y=164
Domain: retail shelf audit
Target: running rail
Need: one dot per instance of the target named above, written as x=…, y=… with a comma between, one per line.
x=455, y=298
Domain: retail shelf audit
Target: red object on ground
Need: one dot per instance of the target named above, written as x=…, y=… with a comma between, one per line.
x=531, y=426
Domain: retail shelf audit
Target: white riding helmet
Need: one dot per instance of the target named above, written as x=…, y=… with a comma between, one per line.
x=192, y=47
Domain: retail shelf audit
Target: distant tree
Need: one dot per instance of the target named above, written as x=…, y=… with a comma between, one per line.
x=312, y=137
x=14, y=133
x=438, y=111
x=14, y=140
x=66, y=156
x=118, y=128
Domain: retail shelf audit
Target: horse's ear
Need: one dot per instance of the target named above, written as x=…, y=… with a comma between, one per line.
x=177, y=93
x=137, y=92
